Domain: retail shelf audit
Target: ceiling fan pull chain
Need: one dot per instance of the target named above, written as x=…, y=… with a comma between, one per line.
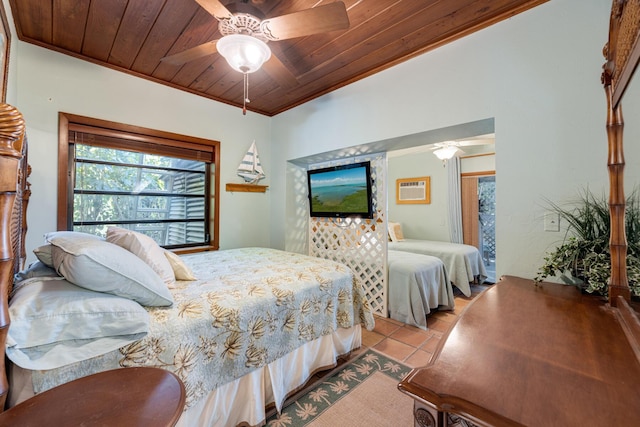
x=246, y=99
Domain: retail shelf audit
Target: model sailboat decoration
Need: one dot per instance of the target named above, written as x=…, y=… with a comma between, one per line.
x=250, y=168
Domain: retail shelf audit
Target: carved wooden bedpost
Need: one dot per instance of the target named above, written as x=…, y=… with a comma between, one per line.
x=13, y=175
x=618, y=284
x=622, y=54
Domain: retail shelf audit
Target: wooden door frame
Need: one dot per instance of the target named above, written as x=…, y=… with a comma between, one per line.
x=469, y=206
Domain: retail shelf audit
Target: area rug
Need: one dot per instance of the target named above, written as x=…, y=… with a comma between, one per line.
x=363, y=392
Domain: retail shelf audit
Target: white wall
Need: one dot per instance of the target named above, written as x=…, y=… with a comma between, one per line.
x=48, y=82
x=537, y=74
x=420, y=221
x=427, y=221
x=481, y=163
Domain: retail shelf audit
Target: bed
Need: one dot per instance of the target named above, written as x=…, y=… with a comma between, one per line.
x=417, y=284
x=243, y=328
x=463, y=262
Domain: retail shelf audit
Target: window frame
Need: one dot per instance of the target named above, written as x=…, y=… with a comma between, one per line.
x=138, y=134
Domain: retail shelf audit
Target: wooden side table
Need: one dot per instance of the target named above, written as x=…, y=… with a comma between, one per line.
x=137, y=396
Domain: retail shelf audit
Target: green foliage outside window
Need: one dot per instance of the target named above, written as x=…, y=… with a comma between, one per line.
x=141, y=192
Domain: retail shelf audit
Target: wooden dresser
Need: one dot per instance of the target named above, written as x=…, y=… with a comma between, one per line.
x=531, y=355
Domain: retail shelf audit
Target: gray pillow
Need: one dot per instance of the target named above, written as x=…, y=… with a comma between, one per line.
x=95, y=264
x=43, y=253
x=35, y=269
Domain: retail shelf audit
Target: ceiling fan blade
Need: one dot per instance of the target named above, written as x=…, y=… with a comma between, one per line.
x=469, y=142
x=185, y=56
x=444, y=144
x=215, y=8
x=280, y=73
x=330, y=17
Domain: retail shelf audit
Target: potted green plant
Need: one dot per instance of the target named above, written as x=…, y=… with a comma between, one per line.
x=583, y=258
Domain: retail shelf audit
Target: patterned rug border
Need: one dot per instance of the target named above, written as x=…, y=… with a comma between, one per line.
x=331, y=389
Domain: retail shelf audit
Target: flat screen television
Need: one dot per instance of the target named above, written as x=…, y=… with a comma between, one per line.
x=341, y=191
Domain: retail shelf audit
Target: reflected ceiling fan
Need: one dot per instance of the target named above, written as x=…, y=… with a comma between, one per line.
x=245, y=35
x=447, y=149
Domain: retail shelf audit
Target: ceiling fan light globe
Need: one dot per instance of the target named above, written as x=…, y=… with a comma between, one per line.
x=244, y=53
x=445, y=153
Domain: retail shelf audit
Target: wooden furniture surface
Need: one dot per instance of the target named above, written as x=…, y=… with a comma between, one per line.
x=246, y=188
x=522, y=354
x=120, y=397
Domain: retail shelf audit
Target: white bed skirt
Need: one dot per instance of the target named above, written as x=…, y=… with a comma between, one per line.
x=244, y=400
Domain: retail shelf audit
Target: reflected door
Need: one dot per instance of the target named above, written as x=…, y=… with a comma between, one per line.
x=478, y=214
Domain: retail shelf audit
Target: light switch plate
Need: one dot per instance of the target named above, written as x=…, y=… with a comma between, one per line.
x=551, y=221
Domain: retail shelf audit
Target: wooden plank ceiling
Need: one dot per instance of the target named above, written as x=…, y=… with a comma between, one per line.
x=133, y=35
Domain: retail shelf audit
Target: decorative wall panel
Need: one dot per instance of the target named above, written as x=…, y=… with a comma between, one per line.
x=358, y=243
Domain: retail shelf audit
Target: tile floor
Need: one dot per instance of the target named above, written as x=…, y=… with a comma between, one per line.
x=410, y=345
x=407, y=344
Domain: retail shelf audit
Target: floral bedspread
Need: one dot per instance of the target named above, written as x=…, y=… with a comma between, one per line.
x=249, y=307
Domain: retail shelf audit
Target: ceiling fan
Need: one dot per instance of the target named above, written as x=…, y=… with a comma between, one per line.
x=245, y=34
x=447, y=149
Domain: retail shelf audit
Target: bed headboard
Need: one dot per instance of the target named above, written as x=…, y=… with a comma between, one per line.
x=622, y=53
x=14, y=196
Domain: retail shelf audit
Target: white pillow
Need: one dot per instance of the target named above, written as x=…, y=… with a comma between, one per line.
x=54, y=323
x=95, y=264
x=395, y=232
x=180, y=269
x=145, y=248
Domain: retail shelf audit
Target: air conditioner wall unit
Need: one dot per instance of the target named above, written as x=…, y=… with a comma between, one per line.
x=413, y=190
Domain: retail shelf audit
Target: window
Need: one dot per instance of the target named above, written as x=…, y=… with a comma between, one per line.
x=157, y=183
